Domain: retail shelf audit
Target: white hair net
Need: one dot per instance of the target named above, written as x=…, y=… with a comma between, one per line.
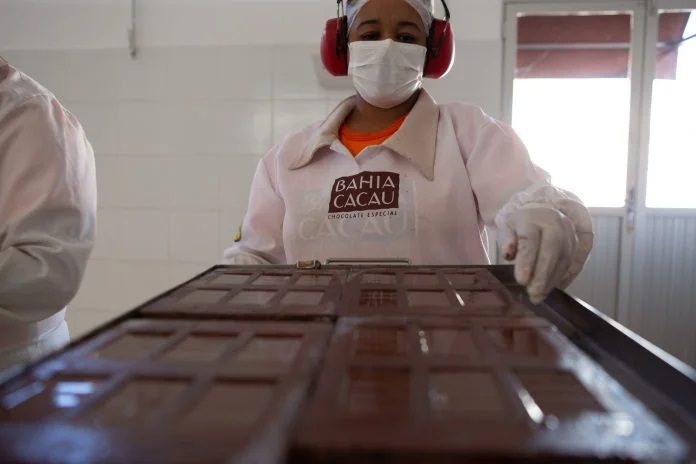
x=425, y=8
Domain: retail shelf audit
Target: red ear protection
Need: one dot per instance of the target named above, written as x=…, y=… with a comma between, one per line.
x=441, y=49
x=334, y=46
x=441, y=46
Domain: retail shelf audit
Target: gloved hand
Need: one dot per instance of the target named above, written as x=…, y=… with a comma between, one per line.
x=548, y=233
x=542, y=241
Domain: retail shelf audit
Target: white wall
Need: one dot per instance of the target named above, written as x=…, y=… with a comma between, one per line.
x=178, y=131
x=97, y=24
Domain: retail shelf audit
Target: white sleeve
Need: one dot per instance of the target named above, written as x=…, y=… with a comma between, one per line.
x=47, y=209
x=504, y=178
x=498, y=163
x=262, y=231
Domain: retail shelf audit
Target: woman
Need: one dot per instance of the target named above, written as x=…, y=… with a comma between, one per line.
x=392, y=174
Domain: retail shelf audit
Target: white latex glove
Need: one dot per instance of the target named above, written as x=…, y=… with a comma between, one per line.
x=549, y=234
x=542, y=242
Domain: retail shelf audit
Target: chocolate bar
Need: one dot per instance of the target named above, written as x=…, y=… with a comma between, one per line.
x=469, y=292
x=461, y=390
x=282, y=293
x=164, y=391
x=345, y=364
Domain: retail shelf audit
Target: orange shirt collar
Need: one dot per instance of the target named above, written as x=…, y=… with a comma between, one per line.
x=416, y=139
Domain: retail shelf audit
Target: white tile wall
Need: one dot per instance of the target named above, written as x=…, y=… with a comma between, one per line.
x=126, y=181
x=114, y=286
x=297, y=74
x=90, y=24
x=138, y=234
x=178, y=134
x=193, y=237
x=236, y=174
x=292, y=115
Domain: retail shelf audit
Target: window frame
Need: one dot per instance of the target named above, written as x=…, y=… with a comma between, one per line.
x=642, y=73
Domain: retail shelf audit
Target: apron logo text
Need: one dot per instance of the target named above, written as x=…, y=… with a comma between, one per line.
x=367, y=191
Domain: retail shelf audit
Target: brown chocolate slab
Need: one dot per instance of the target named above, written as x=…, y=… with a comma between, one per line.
x=193, y=392
x=460, y=389
x=424, y=291
x=427, y=364
x=254, y=293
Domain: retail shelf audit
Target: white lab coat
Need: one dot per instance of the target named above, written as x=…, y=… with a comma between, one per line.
x=47, y=216
x=426, y=194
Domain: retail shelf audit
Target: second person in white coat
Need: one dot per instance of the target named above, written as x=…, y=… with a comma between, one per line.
x=48, y=206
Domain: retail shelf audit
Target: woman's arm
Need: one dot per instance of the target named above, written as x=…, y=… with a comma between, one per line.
x=497, y=161
x=547, y=231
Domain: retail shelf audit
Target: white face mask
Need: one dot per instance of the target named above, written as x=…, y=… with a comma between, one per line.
x=386, y=73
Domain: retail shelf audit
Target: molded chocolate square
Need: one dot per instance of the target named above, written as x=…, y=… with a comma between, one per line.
x=523, y=341
x=378, y=298
x=265, y=356
x=199, y=298
x=421, y=279
x=466, y=393
x=252, y=297
x=428, y=298
x=274, y=280
x=377, y=392
x=229, y=280
x=380, y=341
x=559, y=393
x=132, y=346
x=379, y=278
x=199, y=348
x=139, y=400
x=231, y=404
x=448, y=342
x=314, y=280
x=302, y=297
x=470, y=280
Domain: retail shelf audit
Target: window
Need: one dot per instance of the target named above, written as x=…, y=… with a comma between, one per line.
x=572, y=100
x=672, y=149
